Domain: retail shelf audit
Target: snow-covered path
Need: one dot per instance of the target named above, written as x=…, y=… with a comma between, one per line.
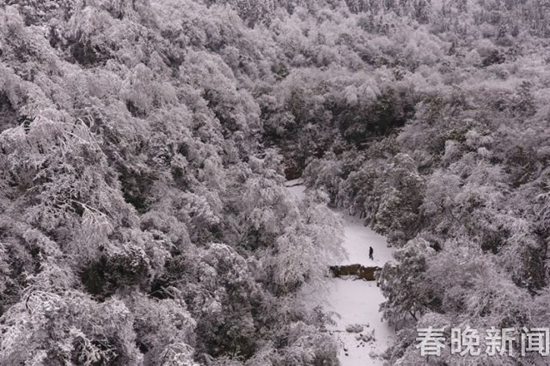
x=355, y=301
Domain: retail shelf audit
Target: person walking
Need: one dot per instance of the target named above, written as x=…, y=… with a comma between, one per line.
x=371, y=253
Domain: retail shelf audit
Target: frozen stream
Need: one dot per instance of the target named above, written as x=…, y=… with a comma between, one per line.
x=355, y=301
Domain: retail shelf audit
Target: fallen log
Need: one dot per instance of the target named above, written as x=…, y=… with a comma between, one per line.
x=356, y=270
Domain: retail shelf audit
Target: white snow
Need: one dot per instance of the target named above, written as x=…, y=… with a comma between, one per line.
x=355, y=301
x=358, y=238
x=297, y=188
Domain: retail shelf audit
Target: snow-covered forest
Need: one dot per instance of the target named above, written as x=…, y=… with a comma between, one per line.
x=145, y=146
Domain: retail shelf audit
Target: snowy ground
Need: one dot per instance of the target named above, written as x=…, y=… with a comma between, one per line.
x=355, y=301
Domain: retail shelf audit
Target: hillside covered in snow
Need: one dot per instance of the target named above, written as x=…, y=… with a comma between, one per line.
x=145, y=146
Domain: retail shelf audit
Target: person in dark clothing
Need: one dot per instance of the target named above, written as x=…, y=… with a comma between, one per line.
x=371, y=253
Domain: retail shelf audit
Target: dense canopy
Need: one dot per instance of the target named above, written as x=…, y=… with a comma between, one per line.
x=144, y=145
